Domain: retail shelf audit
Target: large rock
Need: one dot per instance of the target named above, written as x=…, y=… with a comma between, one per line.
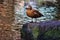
x=6, y=14
x=37, y=31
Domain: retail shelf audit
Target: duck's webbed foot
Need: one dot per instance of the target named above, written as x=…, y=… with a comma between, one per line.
x=31, y=22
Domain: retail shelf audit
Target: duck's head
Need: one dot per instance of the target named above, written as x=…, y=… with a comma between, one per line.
x=29, y=7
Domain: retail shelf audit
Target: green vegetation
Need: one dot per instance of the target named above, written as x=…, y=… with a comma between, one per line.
x=53, y=33
x=50, y=34
x=35, y=32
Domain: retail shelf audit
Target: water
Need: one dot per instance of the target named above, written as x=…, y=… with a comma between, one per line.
x=47, y=12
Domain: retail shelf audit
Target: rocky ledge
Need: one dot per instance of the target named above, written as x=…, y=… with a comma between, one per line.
x=46, y=30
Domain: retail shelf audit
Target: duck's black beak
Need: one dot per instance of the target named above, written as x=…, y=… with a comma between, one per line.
x=26, y=8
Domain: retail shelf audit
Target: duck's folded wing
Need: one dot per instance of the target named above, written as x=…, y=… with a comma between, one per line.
x=37, y=13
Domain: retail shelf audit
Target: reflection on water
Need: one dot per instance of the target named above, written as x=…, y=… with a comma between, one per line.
x=47, y=12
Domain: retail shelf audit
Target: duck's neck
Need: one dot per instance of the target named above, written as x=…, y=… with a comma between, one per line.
x=30, y=8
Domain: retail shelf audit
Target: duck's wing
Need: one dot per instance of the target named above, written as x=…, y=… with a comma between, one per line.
x=37, y=13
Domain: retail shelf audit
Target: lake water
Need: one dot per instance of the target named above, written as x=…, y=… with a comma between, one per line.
x=48, y=13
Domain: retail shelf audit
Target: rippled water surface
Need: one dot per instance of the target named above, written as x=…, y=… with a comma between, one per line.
x=48, y=13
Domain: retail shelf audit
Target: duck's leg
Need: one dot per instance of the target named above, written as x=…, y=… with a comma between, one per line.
x=31, y=21
x=35, y=20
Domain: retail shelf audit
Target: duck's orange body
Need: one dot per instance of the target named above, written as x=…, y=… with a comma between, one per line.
x=33, y=13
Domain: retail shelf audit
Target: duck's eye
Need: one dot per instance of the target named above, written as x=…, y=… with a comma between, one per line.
x=26, y=8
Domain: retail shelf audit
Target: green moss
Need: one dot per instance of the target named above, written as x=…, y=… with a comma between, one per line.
x=53, y=33
x=35, y=32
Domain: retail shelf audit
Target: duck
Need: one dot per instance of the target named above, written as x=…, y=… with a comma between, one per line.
x=32, y=13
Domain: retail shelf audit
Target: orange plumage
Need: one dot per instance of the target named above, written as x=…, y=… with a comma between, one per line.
x=32, y=12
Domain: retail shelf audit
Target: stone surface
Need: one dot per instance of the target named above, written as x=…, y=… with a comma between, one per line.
x=37, y=30
x=9, y=35
x=6, y=13
x=6, y=21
